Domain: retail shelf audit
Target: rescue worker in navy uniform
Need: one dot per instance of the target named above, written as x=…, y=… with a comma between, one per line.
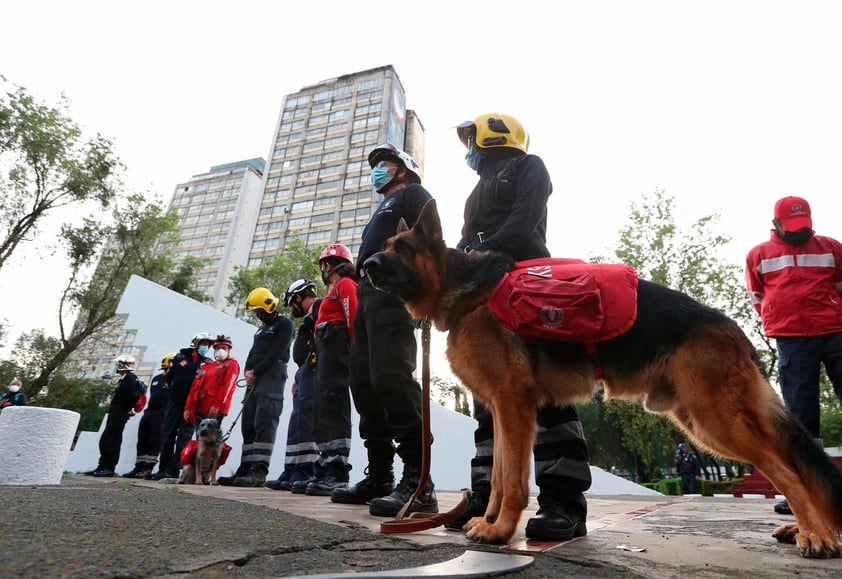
x=384, y=353
x=150, y=431
x=177, y=431
x=123, y=402
x=334, y=332
x=266, y=376
x=302, y=453
x=507, y=212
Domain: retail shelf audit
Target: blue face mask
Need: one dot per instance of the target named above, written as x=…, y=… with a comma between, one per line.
x=474, y=157
x=380, y=177
x=203, y=350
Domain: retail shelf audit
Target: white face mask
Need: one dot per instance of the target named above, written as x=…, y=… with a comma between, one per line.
x=14, y=388
x=221, y=354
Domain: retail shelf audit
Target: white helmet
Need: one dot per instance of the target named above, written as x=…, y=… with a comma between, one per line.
x=388, y=151
x=124, y=363
x=200, y=337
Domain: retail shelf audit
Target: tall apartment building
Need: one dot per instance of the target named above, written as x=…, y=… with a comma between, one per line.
x=317, y=183
x=316, y=186
x=217, y=213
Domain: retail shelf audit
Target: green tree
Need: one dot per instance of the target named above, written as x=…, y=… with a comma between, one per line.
x=126, y=246
x=451, y=390
x=295, y=262
x=45, y=165
x=686, y=260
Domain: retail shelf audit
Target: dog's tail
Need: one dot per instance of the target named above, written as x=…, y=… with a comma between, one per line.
x=821, y=476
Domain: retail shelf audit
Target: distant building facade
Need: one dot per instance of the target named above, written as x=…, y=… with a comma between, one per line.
x=315, y=186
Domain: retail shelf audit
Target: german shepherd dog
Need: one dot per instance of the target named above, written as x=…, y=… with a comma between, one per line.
x=685, y=360
x=202, y=470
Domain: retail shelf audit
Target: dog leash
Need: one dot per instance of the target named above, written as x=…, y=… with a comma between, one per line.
x=415, y=522
x=240, y=413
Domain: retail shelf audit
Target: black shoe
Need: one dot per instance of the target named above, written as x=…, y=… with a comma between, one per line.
x=364, y=491
x=477, y=503
x=250, y=479
x=90, y=472
x=226, y=481
x=782, y=508
x=162, y=474
x=299, y=487
x=149, y=475
x=279, y=485
x=104, y=472
x=325, y=486
x=554, y=523
x=134, y=473
x=389, y=506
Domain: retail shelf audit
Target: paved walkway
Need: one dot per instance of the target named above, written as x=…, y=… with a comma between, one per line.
x=106, y=527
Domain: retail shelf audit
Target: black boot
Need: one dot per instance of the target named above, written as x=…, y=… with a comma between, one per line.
x=389, y=506
x=378, y=482
x=477, y=505
x=556, y=522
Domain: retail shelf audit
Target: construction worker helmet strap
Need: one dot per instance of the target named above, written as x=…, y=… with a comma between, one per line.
x=297, y=287
x=389, y=152
x=262, y=299
x=492, y=130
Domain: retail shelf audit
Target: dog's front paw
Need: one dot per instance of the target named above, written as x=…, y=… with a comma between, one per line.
x=814, y=545
x=786, y=533
x=480, y=530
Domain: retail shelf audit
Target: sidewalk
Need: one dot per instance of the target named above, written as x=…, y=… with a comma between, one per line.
x=92, y=527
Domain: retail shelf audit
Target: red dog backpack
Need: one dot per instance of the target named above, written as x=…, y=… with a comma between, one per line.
x=566, y=300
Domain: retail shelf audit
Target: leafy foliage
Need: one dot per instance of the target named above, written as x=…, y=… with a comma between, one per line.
x=296, y=261
x=45, y=165
x=685, y=260
x=116, y=250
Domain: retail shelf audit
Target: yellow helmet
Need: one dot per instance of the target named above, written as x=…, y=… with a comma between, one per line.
x=494, y=130
x=165, y=361
x=262, y=298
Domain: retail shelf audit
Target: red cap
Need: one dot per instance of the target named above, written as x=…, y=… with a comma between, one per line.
x=793, y=213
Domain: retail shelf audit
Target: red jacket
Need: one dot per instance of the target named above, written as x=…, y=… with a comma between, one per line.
x=213, y=386
x=797, y=289
x=340, y=305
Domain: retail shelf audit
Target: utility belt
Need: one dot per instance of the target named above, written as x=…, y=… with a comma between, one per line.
x=326, y=329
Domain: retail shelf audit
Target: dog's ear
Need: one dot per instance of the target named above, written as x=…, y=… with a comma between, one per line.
x=402, y=226
x=429, y=222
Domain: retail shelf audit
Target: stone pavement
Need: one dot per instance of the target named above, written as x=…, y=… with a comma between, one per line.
x=89, y=527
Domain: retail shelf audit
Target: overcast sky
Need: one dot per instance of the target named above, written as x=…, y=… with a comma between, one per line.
x=726, y=105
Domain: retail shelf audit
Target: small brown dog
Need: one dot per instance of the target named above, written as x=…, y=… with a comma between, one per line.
x=202, y=468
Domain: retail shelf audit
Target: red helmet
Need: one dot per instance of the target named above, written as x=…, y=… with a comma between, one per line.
x=222, y=340
x=336, y=250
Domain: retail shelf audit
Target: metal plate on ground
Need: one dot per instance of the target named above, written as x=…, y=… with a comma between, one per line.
x=468, y=564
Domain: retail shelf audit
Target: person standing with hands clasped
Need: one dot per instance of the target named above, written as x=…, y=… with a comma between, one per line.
x=507, y=212
x=150, y=430
x=795, y=283
x=214, y=385
x=334, y=331
x=181, y=372
x=384, y=354
x=129, y=397
x=302, y=453
x=689, y=468
x=266, y=376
